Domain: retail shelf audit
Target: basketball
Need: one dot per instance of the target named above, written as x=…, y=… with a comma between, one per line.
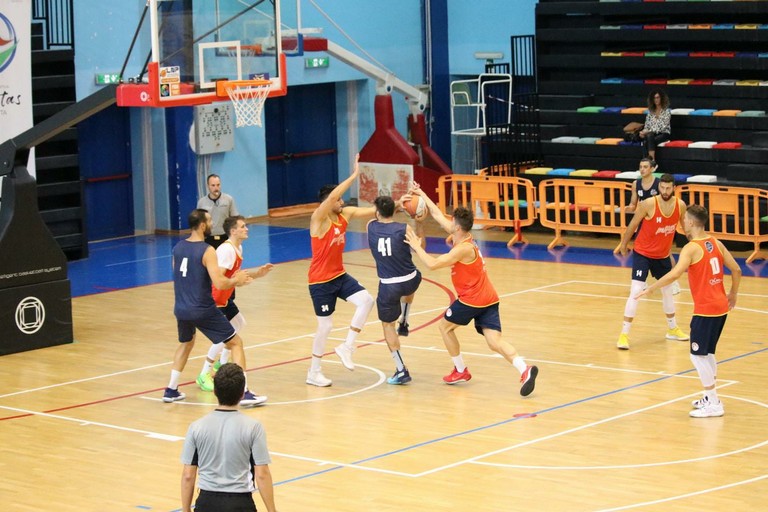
x=416, y=208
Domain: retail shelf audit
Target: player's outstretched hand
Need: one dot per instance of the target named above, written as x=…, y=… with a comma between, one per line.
x=262, y=271
x=642, y=294
x=241, y=278
x=356, y=168
x=415, y=189
x=412, y=240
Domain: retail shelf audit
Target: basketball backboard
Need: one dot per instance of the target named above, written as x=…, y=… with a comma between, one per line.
x=196, y=43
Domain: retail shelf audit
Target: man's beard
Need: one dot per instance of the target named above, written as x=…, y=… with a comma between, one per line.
x=666, y=197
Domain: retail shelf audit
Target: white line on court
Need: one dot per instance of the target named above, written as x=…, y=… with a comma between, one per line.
x=342, y=464
x=265, y=344
x=645, y=465
x=558, y=434
x=379, y=373
x=687, y=495
x=154, y=435
x=592, y=366
x=165, y=257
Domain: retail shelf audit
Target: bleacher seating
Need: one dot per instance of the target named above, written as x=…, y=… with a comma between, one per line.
x=597, y=61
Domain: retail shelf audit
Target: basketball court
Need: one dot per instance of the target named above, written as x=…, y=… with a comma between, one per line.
x=604, y=429
x=85, y=428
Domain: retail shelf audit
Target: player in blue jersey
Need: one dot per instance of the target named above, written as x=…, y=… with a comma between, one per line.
x=195, y=268
x=398, y=277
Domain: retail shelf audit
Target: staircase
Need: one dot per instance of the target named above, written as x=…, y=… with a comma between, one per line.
x=59, y=186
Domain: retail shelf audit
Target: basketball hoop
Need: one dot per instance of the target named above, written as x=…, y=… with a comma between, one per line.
x=246, y=50
x=248, y=97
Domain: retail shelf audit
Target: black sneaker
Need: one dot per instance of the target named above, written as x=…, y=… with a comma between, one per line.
x=173, y=395
x=402, y=377
x=402, y=329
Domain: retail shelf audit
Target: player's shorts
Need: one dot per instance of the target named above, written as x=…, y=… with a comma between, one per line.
x=324, y=295
x=388, y=298
x=705, y=333
x=642, y=265
x=211, y=322
x=230, y=310
x=485, y=318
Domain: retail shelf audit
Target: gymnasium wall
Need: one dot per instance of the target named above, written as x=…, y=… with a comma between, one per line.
x=390, y=31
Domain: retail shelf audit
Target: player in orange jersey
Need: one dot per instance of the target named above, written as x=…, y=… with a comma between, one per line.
x=328, y=280
x=704, y=258
x=230, y=257
x=477, y=300
x=660, y=216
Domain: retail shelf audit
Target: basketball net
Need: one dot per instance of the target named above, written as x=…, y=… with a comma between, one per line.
x=248, y=100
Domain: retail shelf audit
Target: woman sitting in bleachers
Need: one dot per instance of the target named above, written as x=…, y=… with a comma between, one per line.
x=657, y=127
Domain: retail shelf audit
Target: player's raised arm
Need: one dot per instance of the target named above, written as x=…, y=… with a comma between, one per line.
x=327, y=205
x=434, y=211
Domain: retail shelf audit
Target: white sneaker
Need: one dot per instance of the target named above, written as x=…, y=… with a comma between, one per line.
x=675, y=288
x=316, y=378
x=700, y=402
x=710, y=410
x=345, y=354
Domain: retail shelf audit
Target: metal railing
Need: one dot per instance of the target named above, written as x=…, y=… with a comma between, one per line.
x=57, y=16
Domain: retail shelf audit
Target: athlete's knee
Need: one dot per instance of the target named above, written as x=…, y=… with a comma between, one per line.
x=324, y=325
x=233, y=342
x=361, y=299
x=445, y=326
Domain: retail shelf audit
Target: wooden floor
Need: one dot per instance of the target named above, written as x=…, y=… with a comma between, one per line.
x=83, y=427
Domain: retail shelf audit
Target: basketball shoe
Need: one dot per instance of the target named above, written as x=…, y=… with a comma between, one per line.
x=251, y=400
x=316, y=378
x=400, y=377
x=345, y=354
x=700, y=402
x=709, y=410
x=205, y=381
x=173, y=395
x=402, y=329
x=623, y=342
x=528, y=380
x=455, y=376
x=677, y=334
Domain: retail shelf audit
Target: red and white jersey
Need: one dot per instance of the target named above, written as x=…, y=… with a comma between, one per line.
x=705, y=278
x=657, y=233
x=230, y=258
x=327, y=262
x=471, y=281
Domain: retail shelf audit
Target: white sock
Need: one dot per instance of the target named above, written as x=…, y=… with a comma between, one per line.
x=405, y=308
x=315, y=365
x=458, y=362
x=174, y=382
x=625, y=327
x=398, y=360
x=671, y=323
x=711, y=394
x=519, y=364
x=224, y=359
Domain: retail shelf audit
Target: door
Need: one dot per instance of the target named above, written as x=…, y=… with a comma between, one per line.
x=105, y=167
x=302, y=153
